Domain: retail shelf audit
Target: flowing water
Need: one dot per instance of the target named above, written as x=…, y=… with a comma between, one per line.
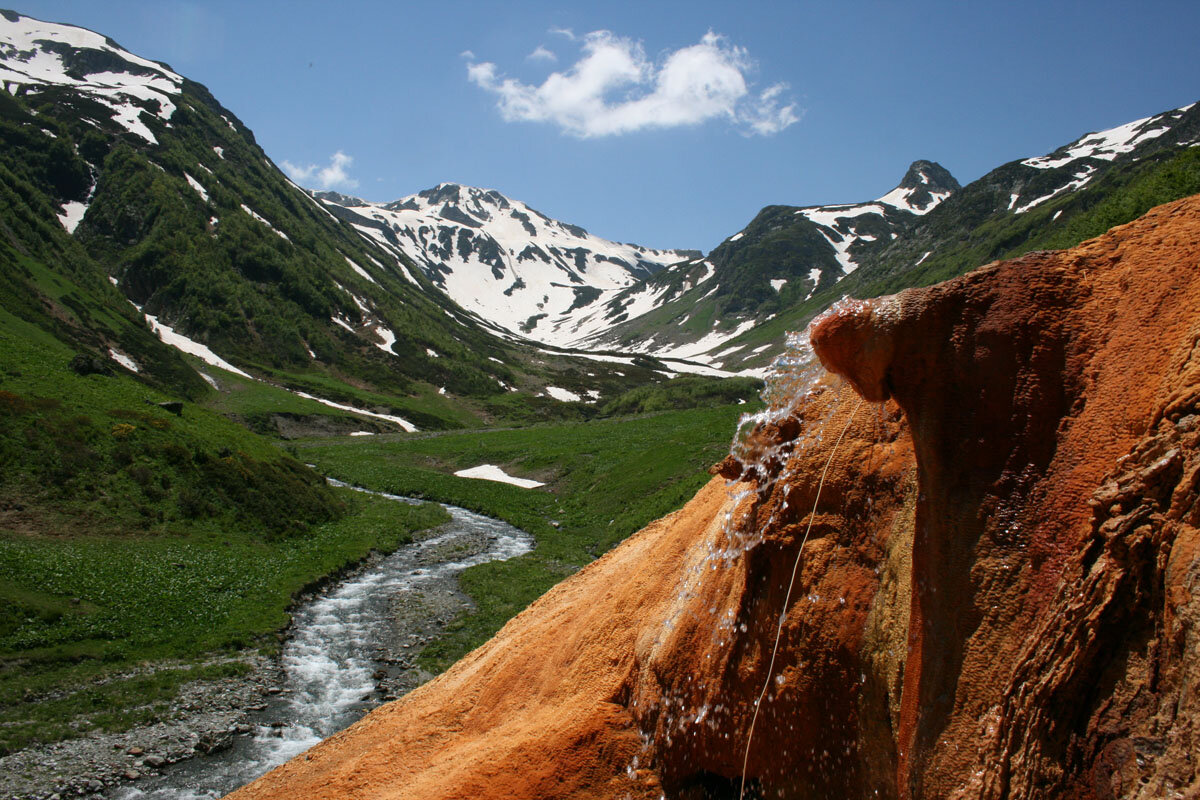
x=328, y=658
x=796, y=378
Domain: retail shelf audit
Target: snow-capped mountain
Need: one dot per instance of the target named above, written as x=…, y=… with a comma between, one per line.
x=168, y=195
x=33, y=52
x=511, y=265
x=731, y=309
x=924, y=186
x=177, y=233
x=691, y=310
x=1077, y=163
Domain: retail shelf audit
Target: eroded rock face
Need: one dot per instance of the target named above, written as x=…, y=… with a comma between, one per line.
x=984, y=582
x=1050, y=402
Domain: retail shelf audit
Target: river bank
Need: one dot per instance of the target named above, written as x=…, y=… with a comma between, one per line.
x=245, y=724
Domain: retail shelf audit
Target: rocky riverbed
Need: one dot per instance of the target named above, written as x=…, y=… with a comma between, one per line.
x=210, y=723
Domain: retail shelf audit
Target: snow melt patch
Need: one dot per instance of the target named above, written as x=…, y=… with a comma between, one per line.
x=362, y=272
x=778, y=283
x=195, y=184
x=490, y=472
x=900, y=198
x=1081, y=179
x=180, y=342
x=263, y=220
x=564, y=395
x=736, y=236
x=697, y=369
x=72, y=214
x=1109, y=144
x=124, y=360
x=403, y=423
x=388, y=337
x=220, y=151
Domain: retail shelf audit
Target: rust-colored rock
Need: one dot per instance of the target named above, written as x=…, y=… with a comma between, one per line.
x=997, y=592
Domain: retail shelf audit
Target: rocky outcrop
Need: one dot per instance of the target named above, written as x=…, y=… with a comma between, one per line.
x=1051, y=401
x=982, y=578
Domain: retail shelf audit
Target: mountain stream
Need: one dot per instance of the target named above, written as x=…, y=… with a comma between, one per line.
x=330, y=660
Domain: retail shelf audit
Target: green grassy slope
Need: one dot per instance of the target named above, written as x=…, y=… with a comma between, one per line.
x=604, y=480
x=130, y=533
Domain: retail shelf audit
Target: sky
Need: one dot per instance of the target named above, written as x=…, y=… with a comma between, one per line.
x=666, y=124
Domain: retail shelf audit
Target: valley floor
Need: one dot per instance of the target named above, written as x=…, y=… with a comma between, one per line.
x=210, y=716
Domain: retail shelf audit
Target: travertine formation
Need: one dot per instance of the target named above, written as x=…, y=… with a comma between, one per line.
x=993, y=574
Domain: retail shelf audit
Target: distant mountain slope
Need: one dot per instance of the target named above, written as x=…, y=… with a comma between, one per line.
x=733, y=308
x=511, y=265
x=782, y=257
x=121, y=170
x=1048, y=202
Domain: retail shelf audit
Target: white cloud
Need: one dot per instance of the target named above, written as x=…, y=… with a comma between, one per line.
x=567, y=32
x=614, y=88
x=333, y=176
x=541, y=54
x=467, y=54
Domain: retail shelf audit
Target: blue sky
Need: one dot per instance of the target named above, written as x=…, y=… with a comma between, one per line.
x=669, y=124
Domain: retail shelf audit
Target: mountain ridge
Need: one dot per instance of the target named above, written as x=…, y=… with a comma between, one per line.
x=513, y=267
x=792, y=262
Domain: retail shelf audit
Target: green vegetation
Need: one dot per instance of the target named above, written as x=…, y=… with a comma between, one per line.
x=128, y=533
x=97, y=452
x=80, y=613
x=1120, y=195
x=686, y=391
x=605, y=479
x=254, y=268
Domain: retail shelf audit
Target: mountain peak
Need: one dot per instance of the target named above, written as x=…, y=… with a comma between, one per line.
x=930, y=175
x=512, y=265
x=926, y=184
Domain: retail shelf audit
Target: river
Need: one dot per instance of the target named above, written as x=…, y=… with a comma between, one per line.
x=332, y=657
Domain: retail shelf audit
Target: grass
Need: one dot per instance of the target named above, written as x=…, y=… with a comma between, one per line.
x=131, y=535
x=604, y=480
x=77, y=610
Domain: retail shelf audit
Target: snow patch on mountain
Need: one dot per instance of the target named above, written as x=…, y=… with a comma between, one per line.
x=564, y=395
x=72, y=214
x=403, y=423
x=505, y=262
x=1081, y=179
x=1107, y=145
x=124, y=360
x=201, y=351
x=34, y=53
x=263, y=220
x=195, y=184
x=359, y=270
x=388, y=337
x=902, y=198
